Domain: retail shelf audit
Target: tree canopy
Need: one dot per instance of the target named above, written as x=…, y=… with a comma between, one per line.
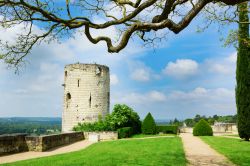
x=56, y=19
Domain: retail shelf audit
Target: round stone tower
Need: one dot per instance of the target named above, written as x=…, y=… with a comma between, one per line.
x=86, y=94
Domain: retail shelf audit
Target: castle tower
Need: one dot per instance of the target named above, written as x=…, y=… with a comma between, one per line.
x=86, y=94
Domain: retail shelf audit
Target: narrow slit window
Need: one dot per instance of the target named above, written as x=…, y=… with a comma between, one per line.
x=90, y=101
x=66, y=73
x=68, y=98
x=78, y=83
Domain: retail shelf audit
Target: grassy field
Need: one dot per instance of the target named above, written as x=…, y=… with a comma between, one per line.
x=156, y=151
x=145, y=135
x=236, y=150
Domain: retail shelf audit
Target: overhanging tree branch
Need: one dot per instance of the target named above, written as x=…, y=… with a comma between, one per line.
x=139, y=16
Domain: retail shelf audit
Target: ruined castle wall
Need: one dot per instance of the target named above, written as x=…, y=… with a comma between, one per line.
x=12, y=143
x=86, y=94
x=46, y=142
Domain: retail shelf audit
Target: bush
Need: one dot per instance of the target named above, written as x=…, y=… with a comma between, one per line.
x=97, y=126
x=168, y=129
x=202, y=128
x=148, y=125
x=125, y=132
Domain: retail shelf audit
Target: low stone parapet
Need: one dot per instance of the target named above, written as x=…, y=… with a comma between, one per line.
x=12, y=143
x=46, y=142
x=103, y=135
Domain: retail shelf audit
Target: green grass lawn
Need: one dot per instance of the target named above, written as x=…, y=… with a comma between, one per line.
x=145, y=135
x=236, y=150
x=154, y=152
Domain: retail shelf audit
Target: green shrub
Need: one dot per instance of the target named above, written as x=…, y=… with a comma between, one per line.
x=202, y=128
x=148, y=125
x=97, y=126
x=125, y=132
x=173, y=129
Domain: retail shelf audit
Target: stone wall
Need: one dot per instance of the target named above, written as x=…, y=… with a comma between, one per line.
x=86, y=94
x=43, y=143
x=108, y=135
x=12, y=143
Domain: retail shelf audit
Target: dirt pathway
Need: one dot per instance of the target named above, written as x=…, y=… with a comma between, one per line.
x=199, y=153
x=30, y=155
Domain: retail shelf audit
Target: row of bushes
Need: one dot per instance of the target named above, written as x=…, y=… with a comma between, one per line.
x=202, y=128
x=173, y=129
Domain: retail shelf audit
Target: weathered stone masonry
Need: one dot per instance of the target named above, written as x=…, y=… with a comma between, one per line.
x=86, y=94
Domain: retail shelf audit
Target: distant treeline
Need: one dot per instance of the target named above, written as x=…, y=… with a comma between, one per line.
x=32, y=126
x=190, y=122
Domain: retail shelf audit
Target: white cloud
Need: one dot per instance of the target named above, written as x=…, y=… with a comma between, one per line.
x=114, y=79
x=157, y=96
x=220, y=68
x=153, y=96
x=140, y=75
x=203, y=94
x=225, y=66
x=181, y=69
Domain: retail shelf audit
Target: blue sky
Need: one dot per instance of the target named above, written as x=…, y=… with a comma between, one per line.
x=188, y=74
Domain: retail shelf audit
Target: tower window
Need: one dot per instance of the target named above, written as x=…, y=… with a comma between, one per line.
x=90, y=101
x=78, y=83
x=68, y=96
x=65, y=73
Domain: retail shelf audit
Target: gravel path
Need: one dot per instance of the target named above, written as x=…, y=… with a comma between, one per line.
x=30, y=155
x=199, y=153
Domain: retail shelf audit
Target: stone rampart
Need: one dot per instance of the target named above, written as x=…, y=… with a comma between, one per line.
x=16, y=143
x=43, y=143
x=12, y=143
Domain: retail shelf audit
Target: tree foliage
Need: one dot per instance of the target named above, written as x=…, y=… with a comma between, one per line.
x=190, y=122
x=224, y=15
x=124, y=116
x=243, y=75
x=148, y=125
x=59, y=18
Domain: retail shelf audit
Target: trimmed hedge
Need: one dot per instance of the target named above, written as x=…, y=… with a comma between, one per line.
x=173, y=129
x=202, y=128
x=125, y=132
x=148, y=125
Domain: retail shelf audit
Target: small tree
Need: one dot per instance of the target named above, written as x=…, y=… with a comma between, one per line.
x=202, y=128
x=124, y=116
x=148, y=125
